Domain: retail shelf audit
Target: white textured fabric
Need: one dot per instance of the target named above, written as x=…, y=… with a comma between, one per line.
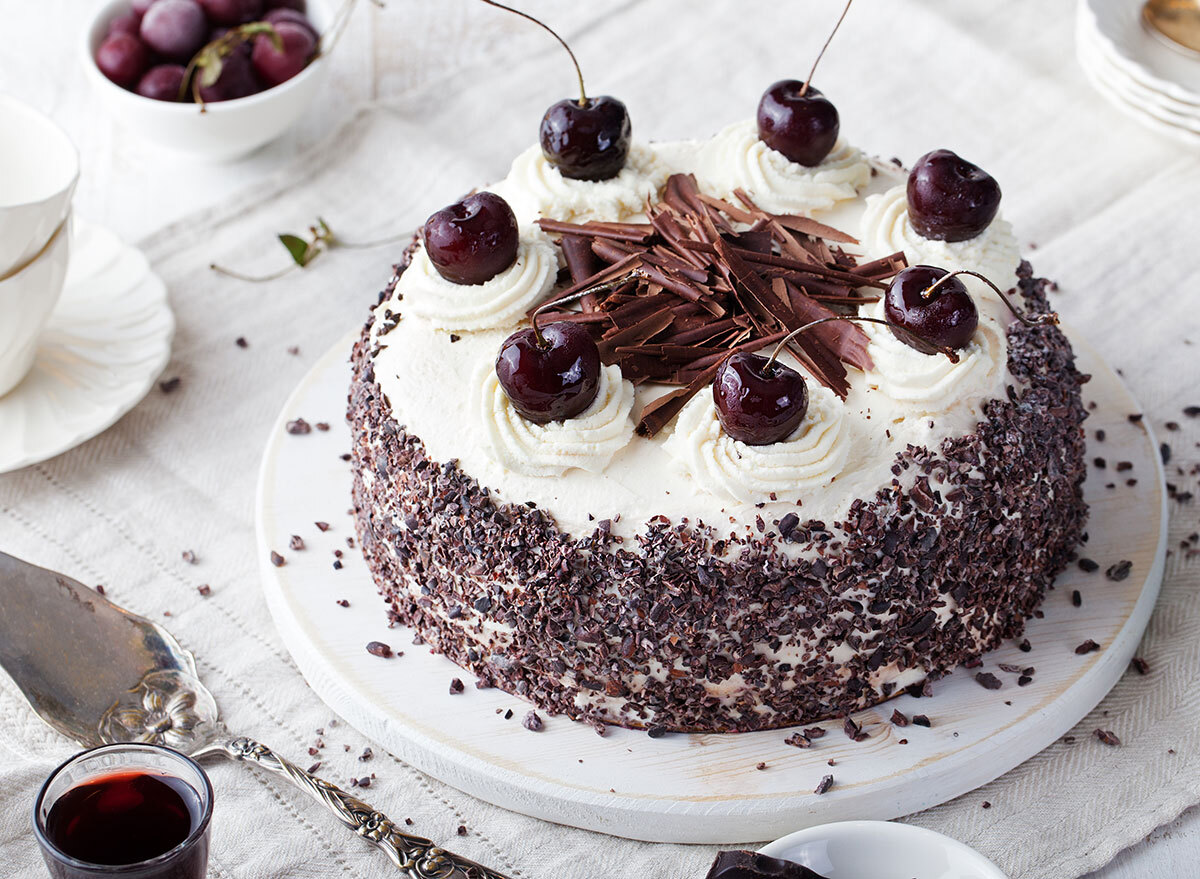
x=1111, y=207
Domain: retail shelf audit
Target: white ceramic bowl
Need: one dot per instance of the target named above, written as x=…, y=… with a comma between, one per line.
x=39, y=168
x=227, y=129
x=27, y=299
x=881, y=850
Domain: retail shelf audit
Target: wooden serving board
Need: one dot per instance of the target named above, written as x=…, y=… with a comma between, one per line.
x=696, y=788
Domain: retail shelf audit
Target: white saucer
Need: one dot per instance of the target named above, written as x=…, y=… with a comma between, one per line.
x=881, y=850
x=105, y=344
x=1119, y=33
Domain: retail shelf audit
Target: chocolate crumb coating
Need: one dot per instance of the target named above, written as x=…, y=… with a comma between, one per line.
x=675, y=629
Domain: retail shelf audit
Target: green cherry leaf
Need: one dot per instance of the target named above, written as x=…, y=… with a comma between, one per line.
x=297, y=247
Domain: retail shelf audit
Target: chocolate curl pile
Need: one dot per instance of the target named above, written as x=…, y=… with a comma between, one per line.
x=700, y=290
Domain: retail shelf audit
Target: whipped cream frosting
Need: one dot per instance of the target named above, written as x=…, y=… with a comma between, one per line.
x=736, y=159
x=812, y=456
x=587, y=442
x=932, y=383
x=993, y=253
x=535, y=188
x=501, y=301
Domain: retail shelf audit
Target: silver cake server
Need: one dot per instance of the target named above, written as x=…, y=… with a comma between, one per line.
x=100, y=674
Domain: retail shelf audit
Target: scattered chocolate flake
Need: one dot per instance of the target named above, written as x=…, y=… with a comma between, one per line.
x=337, y=565
x=1024, y=680
x=1108, y=737
x=1191, y=411
x=277, y=560
x=296, y=543
x=322, y=526
x=312, y=769
x=1010, y=668
x=454, y=337
x=204, y=589
x=1135, y=418
x=987, y=680
x=462, y=830
x=825, y=785
x=408, y=822
x=1172, y=425
x=365, y=781
x=1164, y=451
x=1025, y=646
x=322, y=426
x=1088, y=566
x=341, y=602
x=985, y=804
x=456, y=686
x=100, y=589
x=294, y=350
x=1124, y=466
x=815, y=732
x=241, y=342
x=169, y=386
x=299, y=427
x=189, y=557
x=853, y=730
x=312, y=752
x=798, y=740
x=508, y=714
x=378, y=648
x=1119, y=571
x=1087, y=647
x=760, y=766
x=898, y=718
x=532, y=722
x=1140, y=665
x=1100, y=435
x=1076, y=598
x=921, y=720
x=1099, y=463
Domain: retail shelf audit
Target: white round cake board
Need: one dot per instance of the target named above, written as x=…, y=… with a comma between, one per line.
x=698, y=788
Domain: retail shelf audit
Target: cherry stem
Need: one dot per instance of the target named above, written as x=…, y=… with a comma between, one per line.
x=1048, y=318
x=821, y=54
x=600, y=287
x=941, y=349
x=549, y=30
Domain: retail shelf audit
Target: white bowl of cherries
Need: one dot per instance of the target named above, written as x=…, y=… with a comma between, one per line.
x=212, y=78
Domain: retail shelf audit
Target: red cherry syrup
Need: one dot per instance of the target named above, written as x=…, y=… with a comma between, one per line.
x=124, y=818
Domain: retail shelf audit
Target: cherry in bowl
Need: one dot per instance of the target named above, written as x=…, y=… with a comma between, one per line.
x=472, y=240
x=549, y=373
x=938, y=309
x=759, y=401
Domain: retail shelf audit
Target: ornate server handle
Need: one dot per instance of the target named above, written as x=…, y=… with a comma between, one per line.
x=418, y=857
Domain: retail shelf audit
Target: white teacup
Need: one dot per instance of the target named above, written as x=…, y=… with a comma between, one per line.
x=38, y=170
x=27, y=299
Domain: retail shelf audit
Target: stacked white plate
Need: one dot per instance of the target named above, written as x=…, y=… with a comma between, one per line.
x=1137, y=72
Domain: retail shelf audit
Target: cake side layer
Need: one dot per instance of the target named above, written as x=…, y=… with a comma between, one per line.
x=683, y=628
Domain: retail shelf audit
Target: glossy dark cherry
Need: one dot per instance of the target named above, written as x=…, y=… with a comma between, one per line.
x=947, y=317
x=802, y=127
x=472, y=240
x=756, y=404
x=551, y=381
x=949, y=199
x=588, y=141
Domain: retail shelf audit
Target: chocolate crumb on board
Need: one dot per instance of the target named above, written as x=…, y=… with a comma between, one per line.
x=294, y=350
x=189, y=557
x=100, y=589
x=760, y=766
x=322, y=526
x=985, y=804
x=462, y=830
x=241, y=342
x=532, y=722
x=1087, y=647
x=1140, y=665
x=825, y=785
x=341, y=602
x=1135, y=417
x=853, y=730
x=1024, y=680
x=1025, y=646
x=456, y=686
x=1191, y=411
x=298, y=427
x=1108, y=737
x=1119, y=571
x=296, y=543
x=378, y=648
x=921, y=720
x=1088, y=566
x=170, y=385
x=987, y=680
x=277, y=560
x=1164, y=451
x=204, y=589
x=798, y=740
x=408, y=822
x=314, y=767
x=898, y=718
x=1076, y=598
x=366, y=755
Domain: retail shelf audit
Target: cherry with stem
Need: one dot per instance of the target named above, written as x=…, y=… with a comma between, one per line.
x=1049, y=318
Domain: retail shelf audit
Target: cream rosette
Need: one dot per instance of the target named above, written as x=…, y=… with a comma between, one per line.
x=497, y=303
x=736, y=159
x=535, y=188
x=886, y=228
x=932, y=383
x=587, y=442
x=811, y=457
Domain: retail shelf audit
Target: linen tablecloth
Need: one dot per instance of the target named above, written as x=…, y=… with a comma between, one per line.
x=1108, y=210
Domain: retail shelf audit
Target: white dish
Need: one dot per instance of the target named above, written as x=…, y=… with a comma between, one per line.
x=1120, y=33
x=27, y=299
x=224, y=130
x=102, y=349
x=692, y=788
x=881, y=850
